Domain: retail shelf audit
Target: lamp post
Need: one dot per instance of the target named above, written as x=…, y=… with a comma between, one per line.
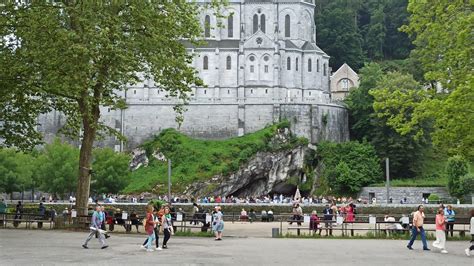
x=387, y=174
x=169, y=180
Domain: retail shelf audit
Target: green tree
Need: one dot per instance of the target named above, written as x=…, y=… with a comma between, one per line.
x=456, y=168
x=337, y=33
x=76, y=56
x=467, y=184
x=443, y=45
x=110, y=171
x=57, y=168
x=375, y=36
x=16, y=171
x=360, y=102
x=348, y=166
x=405, y=153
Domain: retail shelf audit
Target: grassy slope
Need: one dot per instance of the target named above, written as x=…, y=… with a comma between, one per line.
x=195, y=159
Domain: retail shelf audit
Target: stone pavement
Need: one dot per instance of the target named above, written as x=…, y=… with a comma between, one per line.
x=35, y=247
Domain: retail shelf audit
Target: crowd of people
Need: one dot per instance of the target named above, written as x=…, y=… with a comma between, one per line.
x=156, y=221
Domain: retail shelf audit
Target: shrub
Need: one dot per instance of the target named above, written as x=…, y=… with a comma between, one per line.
x=467, y=184
x=348, y=166
x=433, y=198
x=457, y=167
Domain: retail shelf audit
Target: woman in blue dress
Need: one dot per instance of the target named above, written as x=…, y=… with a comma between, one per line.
x=217, y=223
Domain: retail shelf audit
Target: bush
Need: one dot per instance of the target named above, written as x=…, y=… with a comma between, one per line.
x=457, y=167
x=433, y=198
x=467, y=184
x=349, y=166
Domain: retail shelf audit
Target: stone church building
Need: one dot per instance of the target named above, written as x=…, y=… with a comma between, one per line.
x=263, y=66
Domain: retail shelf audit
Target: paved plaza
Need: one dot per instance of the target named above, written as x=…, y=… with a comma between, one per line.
x=35, y=247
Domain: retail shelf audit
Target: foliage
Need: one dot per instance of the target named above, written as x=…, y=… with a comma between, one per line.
x=337, y=33
x=404, y=151
x=76, y=57
x=57, y=168
x=16, y=171
x=157, y=203
x=467, y=184
x=433, y=198
x=194, y=159
x=457, y=167
x=349, y=166
x=425, y=181
x=110, y=171
x=353, y=30
x=444, y=47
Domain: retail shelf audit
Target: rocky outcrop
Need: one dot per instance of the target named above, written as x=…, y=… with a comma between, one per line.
x=266, y=172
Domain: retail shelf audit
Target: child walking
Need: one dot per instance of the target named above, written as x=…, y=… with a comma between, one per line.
x=166, y=226
x=440, y=242
x=149, y=227
x=156, y=219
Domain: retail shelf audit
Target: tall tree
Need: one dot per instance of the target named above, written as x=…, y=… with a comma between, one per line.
x=76, y=56
x=56, y=168
x=443, y=39
x=365, y=123
x=337, y=33
x=110, y=171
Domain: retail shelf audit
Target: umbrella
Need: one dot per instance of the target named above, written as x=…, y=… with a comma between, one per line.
x=297, y=195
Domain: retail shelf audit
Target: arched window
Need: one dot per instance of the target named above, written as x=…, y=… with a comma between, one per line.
x=262, y=23
x=205, y=63
x=288, y=63
x=228, y=63
x=296, y=64
x=207, y=26
x=287, y=26
x=230, y=26
x=317, y=65
x=310, y=67
x=255, y=23
x=324, y=69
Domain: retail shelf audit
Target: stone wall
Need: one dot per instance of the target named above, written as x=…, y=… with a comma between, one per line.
x=140, y=121
x=414, y=195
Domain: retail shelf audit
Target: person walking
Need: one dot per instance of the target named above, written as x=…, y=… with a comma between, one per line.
x=440, y=221
x=471, y=231
x=166, y=227
x=450, y=215
x=95, y=227
x=149, y=225
x=156, y=219
x=217, y=223
x=418, y=220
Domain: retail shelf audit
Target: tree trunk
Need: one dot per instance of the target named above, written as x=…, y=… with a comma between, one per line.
x=89, y=122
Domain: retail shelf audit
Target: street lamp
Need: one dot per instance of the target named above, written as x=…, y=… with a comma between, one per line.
x=161, y=157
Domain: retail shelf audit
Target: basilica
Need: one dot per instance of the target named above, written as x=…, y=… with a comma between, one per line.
x=261, y=64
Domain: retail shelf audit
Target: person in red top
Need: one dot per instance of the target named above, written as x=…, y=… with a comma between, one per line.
x=149, y=227
x=440, y=228
x=350, y=213
x=314, y=223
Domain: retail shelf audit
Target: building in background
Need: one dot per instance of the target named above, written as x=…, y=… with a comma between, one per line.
x=262, y=67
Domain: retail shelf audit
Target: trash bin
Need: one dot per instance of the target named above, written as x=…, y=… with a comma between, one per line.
x=275, y=232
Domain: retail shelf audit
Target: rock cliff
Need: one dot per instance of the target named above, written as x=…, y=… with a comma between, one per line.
x=267, y=172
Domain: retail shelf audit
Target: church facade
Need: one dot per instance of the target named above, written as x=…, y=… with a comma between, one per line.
x=261, y=67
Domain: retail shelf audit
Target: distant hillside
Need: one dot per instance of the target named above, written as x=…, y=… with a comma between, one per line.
x=358, y=31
